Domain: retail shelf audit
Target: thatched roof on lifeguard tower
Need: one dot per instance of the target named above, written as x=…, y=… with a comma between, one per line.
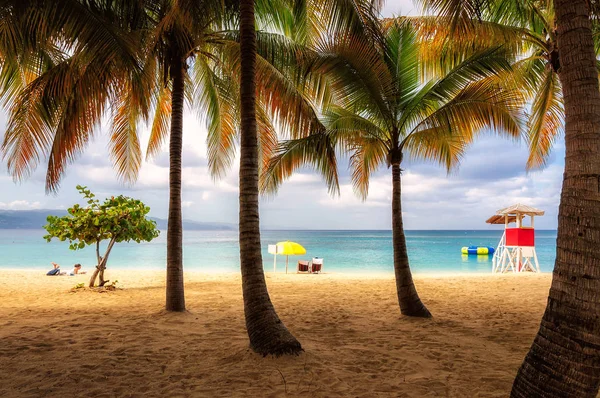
x=512, y=212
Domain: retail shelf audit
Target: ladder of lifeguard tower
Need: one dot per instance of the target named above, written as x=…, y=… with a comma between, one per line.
x=498, y=253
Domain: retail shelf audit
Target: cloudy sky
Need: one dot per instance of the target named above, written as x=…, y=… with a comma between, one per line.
x=491, y=176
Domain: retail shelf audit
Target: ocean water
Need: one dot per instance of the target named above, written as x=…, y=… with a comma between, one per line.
x=217, y=251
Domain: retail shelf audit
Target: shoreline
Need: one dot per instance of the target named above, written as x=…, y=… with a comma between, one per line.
x=335, y=274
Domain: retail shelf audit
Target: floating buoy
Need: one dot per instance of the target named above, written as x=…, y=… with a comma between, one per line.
x=481, y=250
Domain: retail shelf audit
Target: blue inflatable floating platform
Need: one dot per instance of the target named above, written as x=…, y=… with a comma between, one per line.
x=481, y=250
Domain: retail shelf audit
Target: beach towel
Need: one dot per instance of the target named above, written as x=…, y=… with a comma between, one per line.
x=53, y=272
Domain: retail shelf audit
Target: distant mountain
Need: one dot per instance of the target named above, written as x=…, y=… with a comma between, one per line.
x=26, y=219
x=36, y=219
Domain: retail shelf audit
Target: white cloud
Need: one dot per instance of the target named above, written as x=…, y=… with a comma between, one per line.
x=380, y=194
x=399, y=7
x=303, y=178
x=20, y=205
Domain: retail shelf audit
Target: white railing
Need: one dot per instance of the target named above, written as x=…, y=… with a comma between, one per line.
x=498, y=252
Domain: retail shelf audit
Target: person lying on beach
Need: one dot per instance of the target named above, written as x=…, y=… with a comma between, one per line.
x=76, y=270
x=56, y=270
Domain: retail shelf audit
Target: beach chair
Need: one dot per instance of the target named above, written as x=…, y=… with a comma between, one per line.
x=317, y=265
x=303, y=266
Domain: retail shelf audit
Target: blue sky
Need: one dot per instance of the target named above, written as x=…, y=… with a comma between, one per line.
x=491, y=176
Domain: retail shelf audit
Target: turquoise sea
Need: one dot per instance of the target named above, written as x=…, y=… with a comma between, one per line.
x=217, y=251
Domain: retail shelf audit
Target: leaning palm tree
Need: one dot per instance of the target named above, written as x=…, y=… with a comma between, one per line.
x=563, y=359
x=274, y=86
x=273, y=63
x=385, y=110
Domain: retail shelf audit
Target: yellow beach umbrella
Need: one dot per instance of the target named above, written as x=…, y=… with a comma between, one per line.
x=290, y=249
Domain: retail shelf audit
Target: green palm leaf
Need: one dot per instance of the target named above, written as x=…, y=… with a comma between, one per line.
x=545, y=122
x=316, y=150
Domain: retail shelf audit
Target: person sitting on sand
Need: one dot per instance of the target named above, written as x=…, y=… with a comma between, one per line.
x=55, y=270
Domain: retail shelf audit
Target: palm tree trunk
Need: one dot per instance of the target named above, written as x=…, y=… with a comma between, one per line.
x=175, y=295
x=268, y=335
x=564, y=359
x=410, y=303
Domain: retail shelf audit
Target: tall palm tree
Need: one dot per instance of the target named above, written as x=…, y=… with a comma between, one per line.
x=272, y=77
x=268, y=335
x=563, y=359
x=384, y=111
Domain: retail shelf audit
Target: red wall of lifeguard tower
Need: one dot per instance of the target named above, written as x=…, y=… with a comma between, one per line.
x=520, y=237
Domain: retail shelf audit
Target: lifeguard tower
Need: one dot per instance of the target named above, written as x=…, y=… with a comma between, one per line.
x=516, y=250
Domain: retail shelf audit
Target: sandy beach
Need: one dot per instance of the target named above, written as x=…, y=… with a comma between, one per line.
x=56, y=343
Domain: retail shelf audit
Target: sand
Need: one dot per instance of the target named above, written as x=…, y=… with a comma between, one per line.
x=61, y=344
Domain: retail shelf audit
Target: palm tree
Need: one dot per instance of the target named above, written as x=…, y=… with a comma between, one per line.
x=385, y=111
x=273, y=84
x=268, y=335
x=563, y=359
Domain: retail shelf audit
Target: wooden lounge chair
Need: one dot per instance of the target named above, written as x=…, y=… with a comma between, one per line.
x=317, y=265
x=303, y=266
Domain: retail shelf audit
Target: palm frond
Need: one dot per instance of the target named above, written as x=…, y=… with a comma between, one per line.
x=54, y=116
x=218, y=97
x=360, y=17
x=545, y=121
x=161, y=122
x=486, y=66
x=442, y=52
x=481, y=105
x=124, y=141
x=402, y=56
x=316, y=150
x=267, y=138
x=368, y=154
x=80, y=114
x=439, y=144
x=348, y=125
x=358, y=74
x=285, y=86
x=461, y=14
x=29, y=132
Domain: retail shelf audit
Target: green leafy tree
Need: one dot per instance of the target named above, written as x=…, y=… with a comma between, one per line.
x=118, y=219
